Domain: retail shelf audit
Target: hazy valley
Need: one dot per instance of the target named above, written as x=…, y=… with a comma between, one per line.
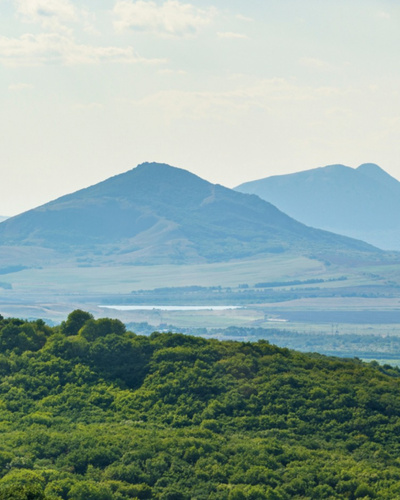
x=159, y=235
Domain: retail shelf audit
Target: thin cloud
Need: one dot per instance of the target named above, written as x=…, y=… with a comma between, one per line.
x=55, y=15
x=244, y=18
x=50, y=48
x=20, y=86
x=49, y=13
x=229, y=34
x=91, y=106
x=168, y=71
x=314, y=63
x=266, y=95
x=172, y=18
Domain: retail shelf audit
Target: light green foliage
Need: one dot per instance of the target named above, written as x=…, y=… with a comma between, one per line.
x=108, y=414
x=22, y=484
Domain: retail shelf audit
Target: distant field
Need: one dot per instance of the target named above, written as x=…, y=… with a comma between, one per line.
x=124, y=279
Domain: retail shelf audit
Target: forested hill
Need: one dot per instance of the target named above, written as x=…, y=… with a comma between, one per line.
x=90, y=411
x=156, y=213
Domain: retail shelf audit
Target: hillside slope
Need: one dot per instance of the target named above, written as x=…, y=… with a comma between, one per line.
x=156, y=213
x=361, y=203
x=90, y=411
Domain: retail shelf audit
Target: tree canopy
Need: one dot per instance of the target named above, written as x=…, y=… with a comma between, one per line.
x=92, y=411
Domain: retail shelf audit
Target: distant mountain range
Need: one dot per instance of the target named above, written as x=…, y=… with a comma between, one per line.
x=362, y=203
x=156, y=213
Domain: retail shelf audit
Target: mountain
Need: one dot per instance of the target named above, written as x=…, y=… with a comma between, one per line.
x=156, y=213
x=3, y=217
x=362, y=203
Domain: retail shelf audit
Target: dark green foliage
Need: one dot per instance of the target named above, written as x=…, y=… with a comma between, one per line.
x=93, y=329
x=75, y=322
x=20, y=336
x=107, y=415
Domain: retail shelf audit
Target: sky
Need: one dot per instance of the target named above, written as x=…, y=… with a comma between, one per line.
x=229, y=90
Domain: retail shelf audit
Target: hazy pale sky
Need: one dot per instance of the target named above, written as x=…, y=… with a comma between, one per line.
x=230, y=90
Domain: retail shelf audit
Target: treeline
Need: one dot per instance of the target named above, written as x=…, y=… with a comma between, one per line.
x=274, y=291
x=372, y=346
x=379, y=346
x=271, y=284
x=312, y=281
x=90, y=411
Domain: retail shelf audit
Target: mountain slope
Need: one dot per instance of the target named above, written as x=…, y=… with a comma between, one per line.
x=361, y=203
x=156, y=213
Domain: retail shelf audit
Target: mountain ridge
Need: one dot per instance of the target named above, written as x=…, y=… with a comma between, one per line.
x=157, y=213
x=361, y=203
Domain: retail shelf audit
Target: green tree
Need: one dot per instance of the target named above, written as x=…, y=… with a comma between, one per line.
x=75, y=322
x=89, y=490
x=93, y=329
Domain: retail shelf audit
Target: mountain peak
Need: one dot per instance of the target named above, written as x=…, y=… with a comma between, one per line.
x=333, y=167
x=154, y=165
x=359, y=202
x=162, y=172
x=371, y=168
x=156, y=213
x=376, y=173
